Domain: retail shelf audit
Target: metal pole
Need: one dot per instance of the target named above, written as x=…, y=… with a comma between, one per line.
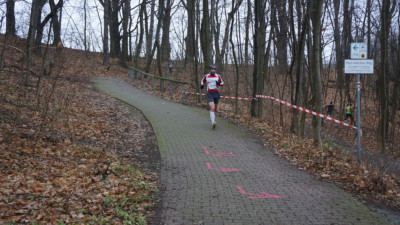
x=141, y=80
x=154, y=86
x=170, y=86
x=133, y=77
x=147, y=81
x=359, y=131
x=162, y=85
x=183, y=93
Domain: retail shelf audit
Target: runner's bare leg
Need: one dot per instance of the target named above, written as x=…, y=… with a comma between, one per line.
x=212, y=112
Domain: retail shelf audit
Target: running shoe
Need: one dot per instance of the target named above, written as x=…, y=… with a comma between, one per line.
x=214, y=125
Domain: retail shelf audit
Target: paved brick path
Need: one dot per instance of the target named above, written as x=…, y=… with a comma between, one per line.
x=199, y=190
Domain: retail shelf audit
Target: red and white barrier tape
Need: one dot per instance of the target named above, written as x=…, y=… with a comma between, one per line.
x=194, y=93
x=285, y=103
x=237, y=98
x=307, y=111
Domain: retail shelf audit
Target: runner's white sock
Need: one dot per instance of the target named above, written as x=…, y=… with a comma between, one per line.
x=212, y=116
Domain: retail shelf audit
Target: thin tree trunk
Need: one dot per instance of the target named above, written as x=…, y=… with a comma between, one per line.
x=282, y=36
x=126, y=9
x=205, y=38
x=165, y=44
x=106, y=55
x=383, y=93
x=236, y=65
x=300, y=73
x=339, y=54
x=247, y=38
x=221, y=52
x=115, y=37
x=55, y=21
x=141, y=32
x=259, y=46
x=10, y=16
x=347, y=39
x=85, y=44
x=149, y=39
x=316, y=68
x=33, y=25
x=190, y=39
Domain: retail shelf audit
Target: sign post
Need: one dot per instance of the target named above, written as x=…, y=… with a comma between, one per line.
x=359, y=64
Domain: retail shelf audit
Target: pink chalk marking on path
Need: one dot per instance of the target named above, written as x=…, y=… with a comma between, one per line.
x=218, y=154
x=221, y=169
x=263, y=194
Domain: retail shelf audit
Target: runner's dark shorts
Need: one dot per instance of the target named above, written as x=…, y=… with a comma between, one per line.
x=213, y=97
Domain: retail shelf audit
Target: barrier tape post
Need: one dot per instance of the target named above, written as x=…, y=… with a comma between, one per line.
x=162, y=88
x=147, y=82
x=183, y=93
x=170, y=86
x=154, y=86
x=359, y=118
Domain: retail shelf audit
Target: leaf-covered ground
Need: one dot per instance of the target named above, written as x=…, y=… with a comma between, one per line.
x=70, y=154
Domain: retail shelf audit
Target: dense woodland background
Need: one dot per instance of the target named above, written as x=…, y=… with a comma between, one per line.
x=290, y=49
x=293, y=50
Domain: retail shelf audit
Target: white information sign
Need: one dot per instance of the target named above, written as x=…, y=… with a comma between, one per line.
x=361, y=66
x=358, y=50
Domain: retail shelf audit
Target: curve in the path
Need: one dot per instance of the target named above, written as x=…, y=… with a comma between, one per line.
x=264, y=189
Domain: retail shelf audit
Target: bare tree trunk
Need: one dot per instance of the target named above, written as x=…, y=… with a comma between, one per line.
x=316, y=68
x=33, y=25
x=236, y=66
x=10, y=16
x=3, y=50
x=300, y=71
x=115, y=37
x=126, y=9
x=383, y=92
x=157, y=45
x=282, y=35
x=214, y=32
x=205, y=38
x=130, y=31
x=141, y=32
x=149, y=38
x=247, y=38
x=55, y=21
x=190, y=39
x=165, y=44
x=35, y=32
x=347, y=39
x=339, y=53
x=221, y=52
x=370, y=53
x=395, y=96
x=259, y=46
x=106, y=55
x=85, y=44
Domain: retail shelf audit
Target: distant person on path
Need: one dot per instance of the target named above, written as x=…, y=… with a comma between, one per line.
x=349, y=114
x=212, y=80
x=170, y=66
x=329, y=109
